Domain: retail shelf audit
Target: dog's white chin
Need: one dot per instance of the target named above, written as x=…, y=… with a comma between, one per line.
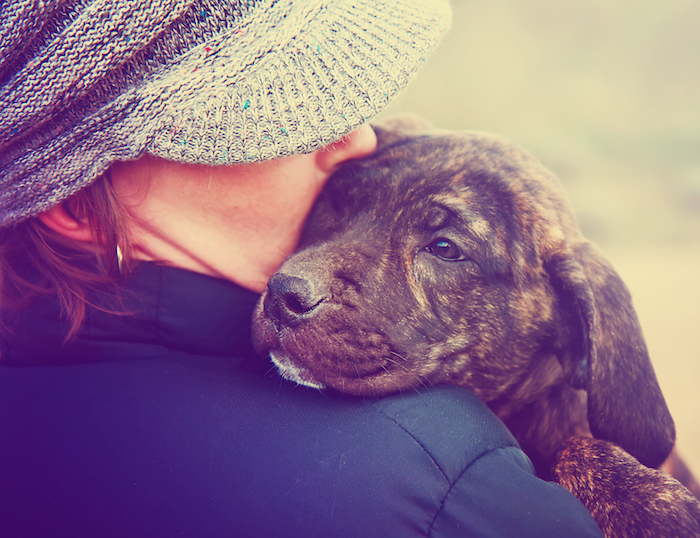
x=293, y=372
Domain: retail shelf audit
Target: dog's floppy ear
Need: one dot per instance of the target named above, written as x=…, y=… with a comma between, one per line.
x=625, y=404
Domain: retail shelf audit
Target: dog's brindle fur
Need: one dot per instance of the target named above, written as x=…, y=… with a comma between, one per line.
x=453, y=257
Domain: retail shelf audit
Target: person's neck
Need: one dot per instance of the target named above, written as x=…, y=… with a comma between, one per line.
x=247, y=257
x=238, y=222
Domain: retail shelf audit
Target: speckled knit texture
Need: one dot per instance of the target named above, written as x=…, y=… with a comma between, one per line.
x=85, y=83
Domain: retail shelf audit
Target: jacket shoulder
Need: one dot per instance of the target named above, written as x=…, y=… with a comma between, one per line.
x=452, y=425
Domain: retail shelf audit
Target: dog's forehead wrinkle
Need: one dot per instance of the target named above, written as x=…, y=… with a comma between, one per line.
x=511, y=182
x=460, y=217
x=458, y=208
x=490, y=207
x=436, y=215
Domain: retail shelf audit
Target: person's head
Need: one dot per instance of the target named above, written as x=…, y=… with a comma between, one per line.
x=194, y=133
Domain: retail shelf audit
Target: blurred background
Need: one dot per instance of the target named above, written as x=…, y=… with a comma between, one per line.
x=607, y=94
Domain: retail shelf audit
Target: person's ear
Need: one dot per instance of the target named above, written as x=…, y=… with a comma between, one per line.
x=355, y=145
x=61, y=220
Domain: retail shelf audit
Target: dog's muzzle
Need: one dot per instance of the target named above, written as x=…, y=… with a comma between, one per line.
x=289, y=300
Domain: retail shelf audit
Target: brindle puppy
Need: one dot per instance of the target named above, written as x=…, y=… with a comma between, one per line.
x=453, y=257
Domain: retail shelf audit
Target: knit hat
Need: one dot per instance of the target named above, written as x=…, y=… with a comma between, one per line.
x=85, y=83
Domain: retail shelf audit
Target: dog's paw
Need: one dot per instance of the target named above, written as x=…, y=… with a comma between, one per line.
x=625, y=498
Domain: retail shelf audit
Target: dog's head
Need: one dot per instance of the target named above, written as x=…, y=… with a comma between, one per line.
x=453, y=257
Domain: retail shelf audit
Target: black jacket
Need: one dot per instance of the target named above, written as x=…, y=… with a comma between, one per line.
x=154, y=425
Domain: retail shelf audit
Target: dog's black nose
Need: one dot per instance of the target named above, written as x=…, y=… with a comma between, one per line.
x=289, y=298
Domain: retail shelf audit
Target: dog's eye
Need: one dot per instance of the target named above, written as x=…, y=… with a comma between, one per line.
x=444, y=249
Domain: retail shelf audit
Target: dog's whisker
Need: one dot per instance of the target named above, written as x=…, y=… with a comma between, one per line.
x=402, y=366
x=398, y=355
x=359, y=376
x=422, y=379
x=406, y=369
x=340, y=375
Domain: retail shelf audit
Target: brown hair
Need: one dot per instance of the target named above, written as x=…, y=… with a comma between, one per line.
x=36, y=261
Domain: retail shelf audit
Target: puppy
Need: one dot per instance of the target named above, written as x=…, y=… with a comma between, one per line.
x=454, y=257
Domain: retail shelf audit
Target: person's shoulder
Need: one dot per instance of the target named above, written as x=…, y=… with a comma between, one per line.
x=493, y=490
x=451, y=424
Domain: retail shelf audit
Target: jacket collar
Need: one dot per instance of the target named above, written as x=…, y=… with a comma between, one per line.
x=165, y=310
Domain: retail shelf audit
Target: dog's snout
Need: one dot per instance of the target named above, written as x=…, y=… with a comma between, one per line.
x=289, y=298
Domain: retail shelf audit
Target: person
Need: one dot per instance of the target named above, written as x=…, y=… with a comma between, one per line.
x=158, y=160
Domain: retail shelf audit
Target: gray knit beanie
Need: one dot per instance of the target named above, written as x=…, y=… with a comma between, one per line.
x=85, y=83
